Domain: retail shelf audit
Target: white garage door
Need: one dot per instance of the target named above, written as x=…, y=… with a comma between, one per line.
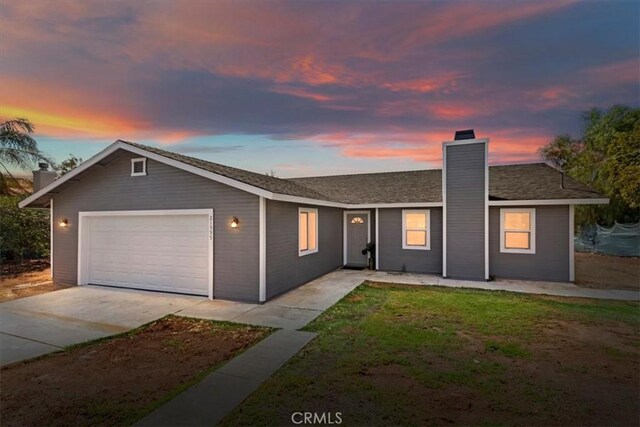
x=155, y=250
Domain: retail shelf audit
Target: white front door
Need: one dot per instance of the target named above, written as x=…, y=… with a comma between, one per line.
x=154, y=250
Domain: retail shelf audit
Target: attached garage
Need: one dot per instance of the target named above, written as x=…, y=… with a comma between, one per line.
x=162, y=250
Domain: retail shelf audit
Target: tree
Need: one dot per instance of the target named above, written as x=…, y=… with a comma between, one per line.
x=68, y=164
x=24, y=233
x=17, y=149
x=607, y=157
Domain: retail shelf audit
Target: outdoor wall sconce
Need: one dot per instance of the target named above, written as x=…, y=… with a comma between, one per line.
x=235, y=222
x=64, y=222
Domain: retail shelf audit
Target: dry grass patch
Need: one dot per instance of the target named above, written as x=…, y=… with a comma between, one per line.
x=116, y=381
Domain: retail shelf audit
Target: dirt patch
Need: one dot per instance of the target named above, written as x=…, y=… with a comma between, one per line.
x=115, y=382
x=607, y=272
x=31, y=278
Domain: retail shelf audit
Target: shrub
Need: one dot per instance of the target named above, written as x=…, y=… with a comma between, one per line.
x=24, y=233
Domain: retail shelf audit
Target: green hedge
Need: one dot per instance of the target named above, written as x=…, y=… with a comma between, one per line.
x=24, y=233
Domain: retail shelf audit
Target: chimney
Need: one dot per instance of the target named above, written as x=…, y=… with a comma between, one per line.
x=465, y=188
x=42, y=177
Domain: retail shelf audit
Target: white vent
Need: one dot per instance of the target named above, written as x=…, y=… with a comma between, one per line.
x=138, y=167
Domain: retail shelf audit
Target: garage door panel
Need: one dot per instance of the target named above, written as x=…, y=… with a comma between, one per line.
x=157, y=252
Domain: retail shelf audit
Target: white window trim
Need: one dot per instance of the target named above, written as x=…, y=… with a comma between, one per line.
x=427, y=212
x=532, y=231
x=144, y=166
x=309, y=251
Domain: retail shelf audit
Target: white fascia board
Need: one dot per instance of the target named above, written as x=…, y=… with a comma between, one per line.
x=82, y=167
x=466, y=141
x=197, y=171
x=603, y=201
x=395, y=205
x=157, y=157
x=305, y=201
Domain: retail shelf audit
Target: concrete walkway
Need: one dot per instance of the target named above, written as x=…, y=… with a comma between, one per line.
x=521, y=286
x=209, y=401
x=293, y=310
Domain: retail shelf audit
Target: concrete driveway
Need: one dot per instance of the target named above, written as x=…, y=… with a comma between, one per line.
x=33, y=326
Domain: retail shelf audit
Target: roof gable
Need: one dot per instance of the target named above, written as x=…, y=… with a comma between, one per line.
x=506, y=183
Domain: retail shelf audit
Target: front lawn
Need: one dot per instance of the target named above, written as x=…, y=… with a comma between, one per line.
x=402, y=355
x=116, y=381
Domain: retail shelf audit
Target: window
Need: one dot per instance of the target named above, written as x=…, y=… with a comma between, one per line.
x=138, y=166
x=416, y=233
x=307, y=231
x=518, y=231
x=357, y=220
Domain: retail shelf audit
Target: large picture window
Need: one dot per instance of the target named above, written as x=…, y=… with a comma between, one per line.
x=416, y=229
x=518, y=231
x=307, y=231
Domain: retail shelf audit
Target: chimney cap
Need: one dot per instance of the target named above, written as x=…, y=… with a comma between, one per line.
x=464, y=134
x=43, y=166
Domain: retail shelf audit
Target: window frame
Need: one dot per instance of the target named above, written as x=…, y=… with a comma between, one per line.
x=302, y=210
x=427, y=213
x=531, y=231
x=144, y=166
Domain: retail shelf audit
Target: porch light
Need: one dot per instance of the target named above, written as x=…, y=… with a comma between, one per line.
x=235, y=222
x=64, y=222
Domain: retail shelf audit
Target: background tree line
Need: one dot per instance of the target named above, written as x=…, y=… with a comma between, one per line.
x=24, y=233
x=606, y=157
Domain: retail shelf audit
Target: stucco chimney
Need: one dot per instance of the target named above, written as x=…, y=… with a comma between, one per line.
x=42, y=177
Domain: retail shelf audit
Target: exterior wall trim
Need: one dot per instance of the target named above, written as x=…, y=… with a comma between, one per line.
x=377, y=260
x=51, y=220
x=602, y=201
x=263, y=250
x=82, y=215
x=486, y=209
x=344, y=233
x=444, y=210
x=467, y=141
x=572, y=252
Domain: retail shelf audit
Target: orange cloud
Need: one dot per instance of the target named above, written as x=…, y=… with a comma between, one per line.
x=425, y=85
x=303, y=93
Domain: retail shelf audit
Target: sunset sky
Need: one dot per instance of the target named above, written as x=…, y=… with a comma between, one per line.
x=309, y=87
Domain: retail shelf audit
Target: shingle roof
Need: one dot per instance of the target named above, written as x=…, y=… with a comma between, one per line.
x=385, y=187
x=269, y=183
x=534, y=181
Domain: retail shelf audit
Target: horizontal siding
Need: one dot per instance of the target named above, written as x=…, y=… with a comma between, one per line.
x=112, y=188
x=285, y=269
x=551, y=260
x=394, y=258
x=465, y=211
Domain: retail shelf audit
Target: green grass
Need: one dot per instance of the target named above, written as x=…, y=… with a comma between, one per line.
x=385, y=351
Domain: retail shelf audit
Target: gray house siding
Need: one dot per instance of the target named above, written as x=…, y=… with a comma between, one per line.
x=394, y=258
x=465, y=199
x=111, y=188
x=551, y=260
x=287, y=270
